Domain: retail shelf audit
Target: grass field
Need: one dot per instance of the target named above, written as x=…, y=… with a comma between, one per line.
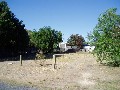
x=75, y=71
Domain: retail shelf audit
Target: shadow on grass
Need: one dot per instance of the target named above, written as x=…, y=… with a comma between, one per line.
x=32, y=56
x=17, y=57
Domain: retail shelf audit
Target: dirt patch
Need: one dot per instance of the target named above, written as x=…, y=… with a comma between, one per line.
x=74, y=71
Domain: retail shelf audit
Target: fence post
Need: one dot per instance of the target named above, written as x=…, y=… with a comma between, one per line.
x=21, y=60
x=54, y=57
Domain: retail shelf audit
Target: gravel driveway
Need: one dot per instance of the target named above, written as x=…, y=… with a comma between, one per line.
x=4, y=86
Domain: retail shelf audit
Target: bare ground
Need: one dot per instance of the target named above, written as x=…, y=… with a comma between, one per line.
x=74, y=71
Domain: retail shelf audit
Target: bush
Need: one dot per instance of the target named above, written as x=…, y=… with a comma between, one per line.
x=106, y=38
x=40, y=55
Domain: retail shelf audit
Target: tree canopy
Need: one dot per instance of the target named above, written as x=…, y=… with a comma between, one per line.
x=46, y=39
x=106, y=38
x=76, y=40
x=13, y=36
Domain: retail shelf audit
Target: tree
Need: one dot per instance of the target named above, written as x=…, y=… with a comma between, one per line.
x=76, y=40
x=31, y=37
x=13, y=36
x=106, y=38
x=46, y=39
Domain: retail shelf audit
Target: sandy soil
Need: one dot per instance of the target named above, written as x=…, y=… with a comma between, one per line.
x=74, y=71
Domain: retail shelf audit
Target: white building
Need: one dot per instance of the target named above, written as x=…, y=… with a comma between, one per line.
x=64, y=46
x=89, y=48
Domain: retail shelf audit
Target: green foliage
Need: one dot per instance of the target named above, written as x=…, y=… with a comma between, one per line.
x=46, y=39
x=13, y=36
x=31, y=37
x=106, y=38
x=76, y=40
x=40, y=56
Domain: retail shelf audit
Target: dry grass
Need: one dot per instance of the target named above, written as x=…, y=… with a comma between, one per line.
x=75, y=71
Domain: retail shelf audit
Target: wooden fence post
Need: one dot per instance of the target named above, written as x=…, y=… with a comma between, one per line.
x=21, y=60
x=54, y=57
x=55, y=61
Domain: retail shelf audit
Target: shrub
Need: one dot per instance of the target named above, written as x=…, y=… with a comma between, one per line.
x=40, y=55
x=106, y=38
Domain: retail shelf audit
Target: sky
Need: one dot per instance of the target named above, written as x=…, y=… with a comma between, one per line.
x=67, y=16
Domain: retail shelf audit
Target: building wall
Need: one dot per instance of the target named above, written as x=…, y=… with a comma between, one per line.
x=89, y=48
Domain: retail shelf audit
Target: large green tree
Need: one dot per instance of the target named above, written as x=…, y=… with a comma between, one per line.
x=13, y=36
x=76, y=40
x=106, y=38
x=46, y=39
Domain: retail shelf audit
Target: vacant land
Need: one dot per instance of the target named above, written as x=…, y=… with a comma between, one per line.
x=76, y=71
